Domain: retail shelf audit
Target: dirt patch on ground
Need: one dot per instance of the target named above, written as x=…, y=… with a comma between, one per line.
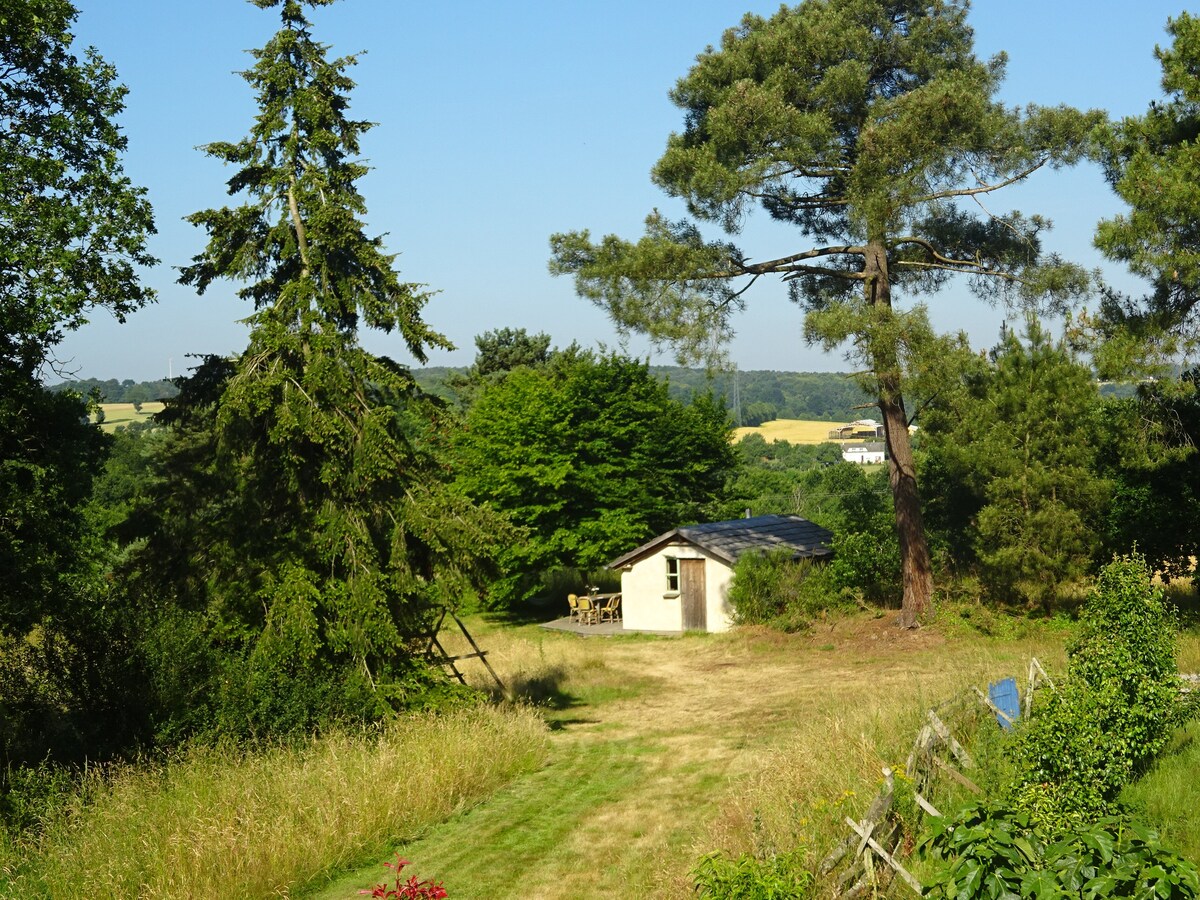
x=715, y=691
x=871, y=633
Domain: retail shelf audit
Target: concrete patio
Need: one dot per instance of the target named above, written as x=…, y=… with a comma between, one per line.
x=603, y=629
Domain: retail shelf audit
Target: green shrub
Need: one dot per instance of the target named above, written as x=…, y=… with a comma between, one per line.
x=781, y=877
x=868, y=563
x=30, y=794
x=774, y=589
x=1126, y=654
x=1115, y=710
x=993, y=850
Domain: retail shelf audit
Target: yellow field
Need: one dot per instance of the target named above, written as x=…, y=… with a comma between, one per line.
x=118, y=414
x=794, y=431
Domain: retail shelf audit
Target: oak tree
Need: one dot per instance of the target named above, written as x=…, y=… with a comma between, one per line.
x=73, y=232
x=871, y=129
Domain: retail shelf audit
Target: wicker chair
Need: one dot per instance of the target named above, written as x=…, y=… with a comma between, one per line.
x=589, y=614
x=611, y=610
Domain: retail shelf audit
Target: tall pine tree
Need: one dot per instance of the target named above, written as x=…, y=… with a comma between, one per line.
x=321, y=534
x=871, y=129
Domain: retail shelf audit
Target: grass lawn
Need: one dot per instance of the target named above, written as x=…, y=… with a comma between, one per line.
x=646, y=754
x=665, y=749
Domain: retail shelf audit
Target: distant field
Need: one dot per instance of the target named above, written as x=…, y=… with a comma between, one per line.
x=794, y=431
x=117, y=414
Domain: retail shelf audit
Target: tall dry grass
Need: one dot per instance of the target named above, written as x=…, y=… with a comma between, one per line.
x=829, y=764
x=548, y=669
x=218, y=823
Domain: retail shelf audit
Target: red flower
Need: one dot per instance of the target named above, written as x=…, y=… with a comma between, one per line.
x=410, y=890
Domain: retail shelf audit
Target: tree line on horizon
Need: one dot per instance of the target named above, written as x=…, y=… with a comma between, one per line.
x=109, y=390
x=752, y=396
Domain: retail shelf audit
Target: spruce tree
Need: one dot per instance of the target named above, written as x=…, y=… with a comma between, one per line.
x=321, y=534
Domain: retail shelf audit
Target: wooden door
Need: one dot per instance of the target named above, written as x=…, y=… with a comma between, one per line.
x=692, y=595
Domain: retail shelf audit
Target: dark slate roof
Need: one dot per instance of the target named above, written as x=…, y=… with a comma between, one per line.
x=729, y=540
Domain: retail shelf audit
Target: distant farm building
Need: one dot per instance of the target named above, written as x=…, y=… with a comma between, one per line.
x=862, y=430
x=870, y=452
x=680, y=580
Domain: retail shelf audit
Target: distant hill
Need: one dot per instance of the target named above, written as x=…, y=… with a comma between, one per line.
x=127, y=391
x=433, y=380
x=752, y=397
x=760, y=395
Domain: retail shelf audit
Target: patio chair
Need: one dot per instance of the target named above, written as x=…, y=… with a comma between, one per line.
x=573, y=602
x=611, y=610
x=588, y=613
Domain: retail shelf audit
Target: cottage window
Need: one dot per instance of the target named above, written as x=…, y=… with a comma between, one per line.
x=672, y=573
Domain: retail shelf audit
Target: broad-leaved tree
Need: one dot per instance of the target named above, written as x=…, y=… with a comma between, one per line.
x=591, y=457
x=73, y=232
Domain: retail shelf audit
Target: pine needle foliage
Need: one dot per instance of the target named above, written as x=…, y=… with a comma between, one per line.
x=321, y=536
x=871, y=130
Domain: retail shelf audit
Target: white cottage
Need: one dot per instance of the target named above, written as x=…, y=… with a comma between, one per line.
x=680, y=580
x=870, y=452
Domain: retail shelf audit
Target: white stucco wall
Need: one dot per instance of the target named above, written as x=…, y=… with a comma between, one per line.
x=863, y=456
x=647, y=605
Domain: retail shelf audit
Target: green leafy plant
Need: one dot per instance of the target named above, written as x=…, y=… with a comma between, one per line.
x=779, y=877
x=994, y=850
x=774, y=589
x=867, y=562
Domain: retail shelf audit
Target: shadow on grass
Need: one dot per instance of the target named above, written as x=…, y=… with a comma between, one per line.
x=543, y=690
x=531, y=612
x=1185, y=598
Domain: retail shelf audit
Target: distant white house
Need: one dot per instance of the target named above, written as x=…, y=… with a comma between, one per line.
x=680, y=580
x=870, y=452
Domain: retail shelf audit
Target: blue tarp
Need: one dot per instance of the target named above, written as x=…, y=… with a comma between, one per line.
x=1007, y=698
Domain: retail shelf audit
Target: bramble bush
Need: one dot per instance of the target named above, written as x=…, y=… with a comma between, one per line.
x=867, y=562
x=774, y=589
x=1115, y=710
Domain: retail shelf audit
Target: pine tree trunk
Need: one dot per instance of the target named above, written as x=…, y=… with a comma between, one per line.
x=916, y=569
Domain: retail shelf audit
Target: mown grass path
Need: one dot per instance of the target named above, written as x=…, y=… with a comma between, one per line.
x=655, y=742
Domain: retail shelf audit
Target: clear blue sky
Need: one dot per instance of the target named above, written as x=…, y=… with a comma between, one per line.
x=501, y=123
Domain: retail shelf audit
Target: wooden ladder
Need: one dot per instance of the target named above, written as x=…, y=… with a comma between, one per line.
x=437, y=654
